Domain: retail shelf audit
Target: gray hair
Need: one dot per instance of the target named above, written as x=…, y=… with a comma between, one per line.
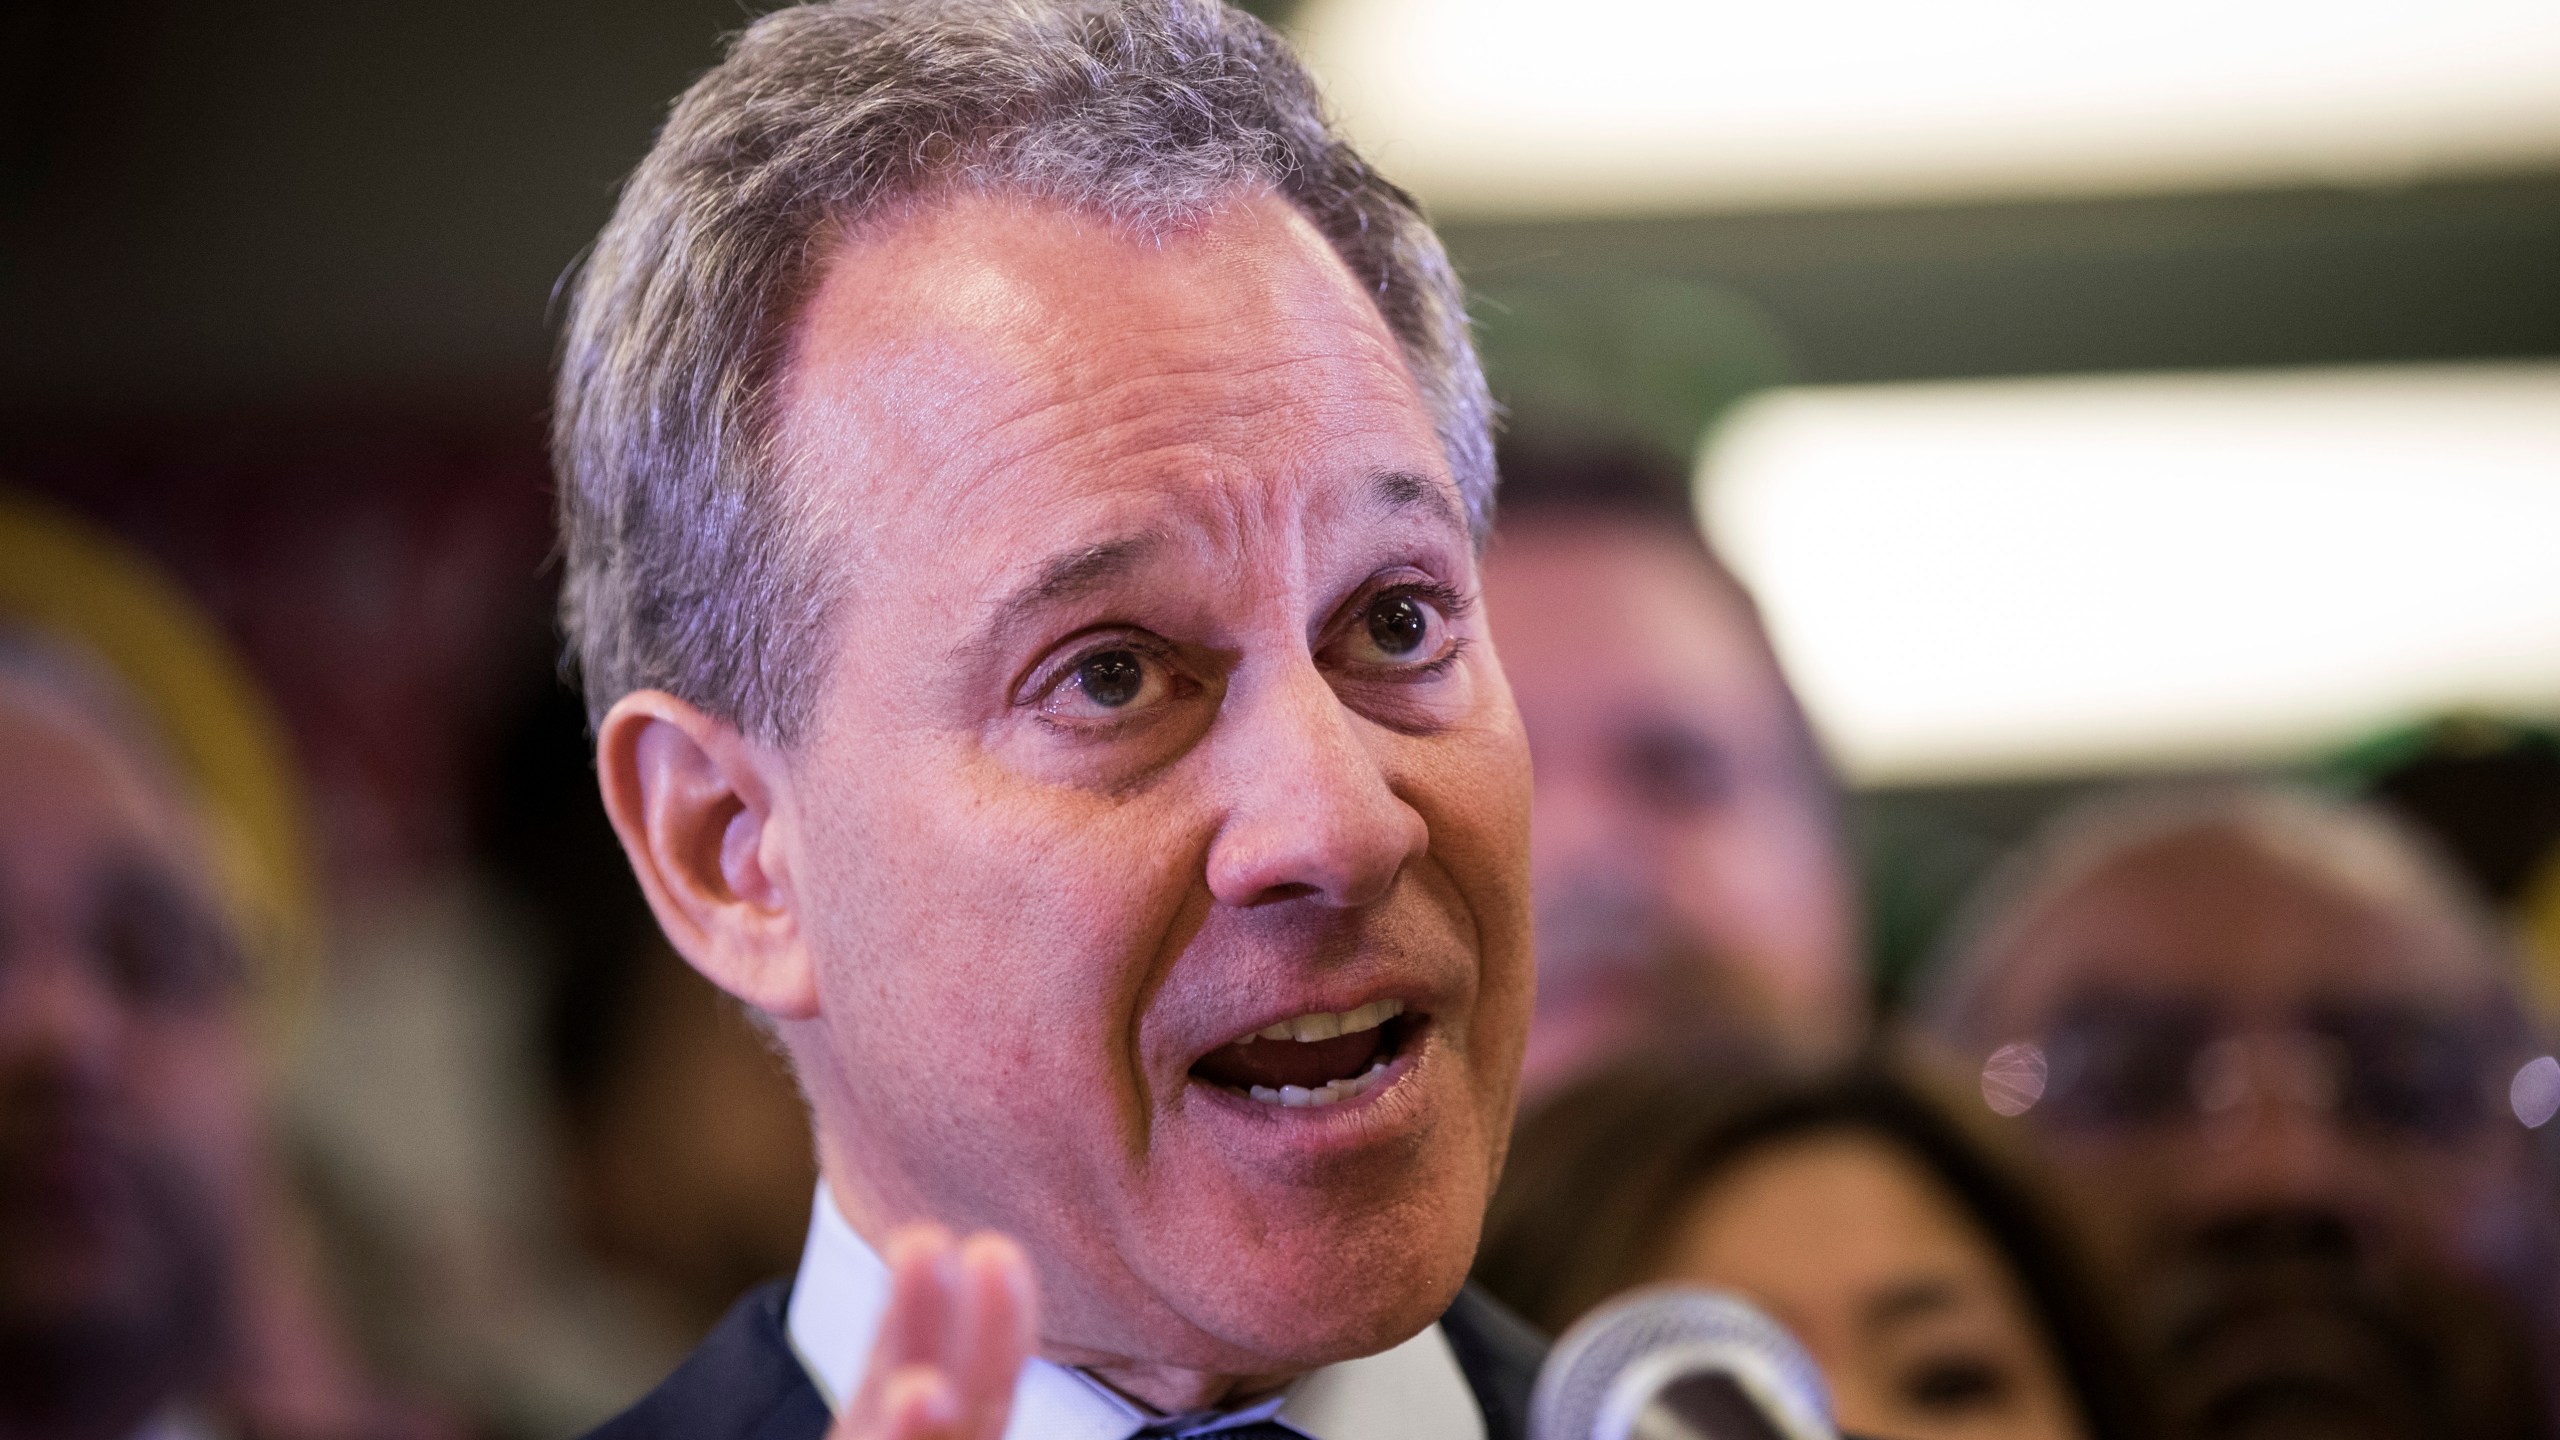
x=2357, y=846
x=689, y=564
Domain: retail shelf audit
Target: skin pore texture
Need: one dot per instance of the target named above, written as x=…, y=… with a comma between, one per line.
x=1919, y=1328
x=1689, y=879
x=1160, y=709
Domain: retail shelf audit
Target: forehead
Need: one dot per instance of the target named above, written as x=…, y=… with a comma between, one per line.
x=996, y=349
x=1882, y=1214
x=69, y=795
x=2219, y=915
x=1608, y=613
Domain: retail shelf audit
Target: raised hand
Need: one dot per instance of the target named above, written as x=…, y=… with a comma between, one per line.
x=961, y=1321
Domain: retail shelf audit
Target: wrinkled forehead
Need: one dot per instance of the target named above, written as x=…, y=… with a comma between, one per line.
x=2226, y=919
x=991, y=368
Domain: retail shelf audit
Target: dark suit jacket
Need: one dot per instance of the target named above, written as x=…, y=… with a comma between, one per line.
x=743, y=1383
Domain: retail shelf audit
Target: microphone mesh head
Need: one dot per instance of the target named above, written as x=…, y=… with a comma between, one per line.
x=1704, y=1329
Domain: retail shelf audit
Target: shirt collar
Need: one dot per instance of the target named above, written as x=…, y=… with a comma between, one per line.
x=1413, y=1392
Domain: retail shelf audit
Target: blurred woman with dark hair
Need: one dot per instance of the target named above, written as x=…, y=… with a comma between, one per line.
x=1913, y=1265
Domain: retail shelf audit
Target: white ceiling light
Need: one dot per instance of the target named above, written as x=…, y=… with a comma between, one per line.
x=1510, y=106
x=2004, y=578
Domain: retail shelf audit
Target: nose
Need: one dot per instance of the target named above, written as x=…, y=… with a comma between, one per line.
x=2273, y=1135
x=59, y=1022
x=1310, y=811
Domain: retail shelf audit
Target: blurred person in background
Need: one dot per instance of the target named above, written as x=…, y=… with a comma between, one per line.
x=1913, y=1266
x=2267, y=1040
x=682, y=1147
x=1692, y=884
x=155, y=1269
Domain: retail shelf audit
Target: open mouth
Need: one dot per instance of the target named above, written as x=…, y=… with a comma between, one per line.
x=1312, y=1060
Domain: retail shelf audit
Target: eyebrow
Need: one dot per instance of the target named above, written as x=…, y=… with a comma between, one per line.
x=1067, y=575
x=1910, y=1299
x=1405, y=491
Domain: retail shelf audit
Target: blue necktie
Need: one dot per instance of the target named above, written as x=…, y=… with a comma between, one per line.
x=1255, y=1430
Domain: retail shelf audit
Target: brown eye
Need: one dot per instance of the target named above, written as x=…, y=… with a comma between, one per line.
x=1399, y=629
x=1108, y=683
x=1398, y=625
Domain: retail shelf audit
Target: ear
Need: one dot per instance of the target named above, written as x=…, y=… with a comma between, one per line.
x=695, y=803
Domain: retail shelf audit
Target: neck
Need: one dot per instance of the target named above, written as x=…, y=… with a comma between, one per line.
x=1165, y=1389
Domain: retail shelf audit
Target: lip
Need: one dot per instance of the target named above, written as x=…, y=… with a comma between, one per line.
x=1413, y=957
x=1414, y=1006
x=1395, y=1104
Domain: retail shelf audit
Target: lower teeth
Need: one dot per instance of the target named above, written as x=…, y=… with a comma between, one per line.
x=1331, y=1093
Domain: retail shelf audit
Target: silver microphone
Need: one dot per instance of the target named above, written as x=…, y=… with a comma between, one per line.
x=1673, y=1362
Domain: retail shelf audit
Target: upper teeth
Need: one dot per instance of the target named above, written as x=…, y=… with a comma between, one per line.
x=1327, y=1027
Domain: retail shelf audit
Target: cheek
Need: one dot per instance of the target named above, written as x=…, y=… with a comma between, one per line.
x=1474, y=793
x=1015, y=924
x=1765, y=873
x=2116, y=1199
x=194, y=1078
x=2482, y=1204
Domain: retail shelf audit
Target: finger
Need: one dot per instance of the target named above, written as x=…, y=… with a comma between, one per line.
x=914, y=1326
x=922, y=1407
x=915, y=1403
x=923, y=1273
x=998, y=1329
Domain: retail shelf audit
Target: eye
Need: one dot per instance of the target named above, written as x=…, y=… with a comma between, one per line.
x=1957, y=1383
x=154, y=945
x=1111, y=679
x=1402, y=629
x=1398, y=625
x=1675, y=769
x=1106, y=683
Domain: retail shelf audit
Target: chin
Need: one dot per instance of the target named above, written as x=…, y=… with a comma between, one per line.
x=1296, y=1297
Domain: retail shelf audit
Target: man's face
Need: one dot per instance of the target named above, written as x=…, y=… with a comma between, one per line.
x=1689, y=880
x=2234, y=1034
x=1160, y=712
x=122, y=1075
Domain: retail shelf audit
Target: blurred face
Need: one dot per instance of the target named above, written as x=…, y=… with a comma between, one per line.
x=1162, y=841
x=692, y=1173
x=1919, y=1327
x=122, y=1079
x=2232, y=1034
x=1689, y=879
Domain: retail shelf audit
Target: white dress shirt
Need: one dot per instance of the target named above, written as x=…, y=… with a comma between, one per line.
x=1413, y=1392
